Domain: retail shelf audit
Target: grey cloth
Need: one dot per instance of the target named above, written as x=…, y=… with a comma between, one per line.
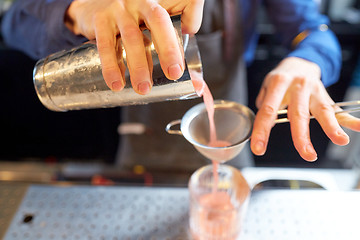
x=156, y=150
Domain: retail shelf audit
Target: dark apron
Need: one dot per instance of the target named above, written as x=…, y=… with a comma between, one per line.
x=157, y=150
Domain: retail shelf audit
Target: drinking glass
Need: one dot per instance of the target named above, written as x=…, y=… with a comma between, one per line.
x=218, y=202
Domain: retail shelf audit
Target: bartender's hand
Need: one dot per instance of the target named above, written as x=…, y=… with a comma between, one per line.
x=295, y=83
x=103, y=20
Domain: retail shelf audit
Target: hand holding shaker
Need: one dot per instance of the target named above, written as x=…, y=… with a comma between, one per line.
x=217, y=206
x=72, y=80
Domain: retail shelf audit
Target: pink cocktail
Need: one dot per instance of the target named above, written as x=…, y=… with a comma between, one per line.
x=215, y=217
x=217, y=211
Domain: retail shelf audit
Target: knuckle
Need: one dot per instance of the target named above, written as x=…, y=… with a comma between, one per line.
x=297, y=114
x=300, y=82
x=319, y=88
x=138, y=68
x=105, y=45
x=157, y=13
x=99, y=18
x=300, y=114
x=268, y=110
x=278, y=78
x=130, y=34
x=108, y=69
x=323, y=107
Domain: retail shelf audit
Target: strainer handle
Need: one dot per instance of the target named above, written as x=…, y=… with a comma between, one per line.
x=171, y=124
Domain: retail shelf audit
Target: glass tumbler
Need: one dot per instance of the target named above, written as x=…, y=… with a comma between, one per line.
x=219, y=196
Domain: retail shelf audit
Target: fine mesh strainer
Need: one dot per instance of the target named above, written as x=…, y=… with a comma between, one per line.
x=233, y=123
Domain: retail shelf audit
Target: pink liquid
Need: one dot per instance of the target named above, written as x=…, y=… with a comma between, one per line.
x=217, y=216
x=203, y=90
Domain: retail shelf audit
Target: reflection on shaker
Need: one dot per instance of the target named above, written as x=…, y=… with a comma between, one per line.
x=217, y=212
x=72, y=80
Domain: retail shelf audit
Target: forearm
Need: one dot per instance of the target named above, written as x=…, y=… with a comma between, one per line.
x=303, y=30
x=37, y=27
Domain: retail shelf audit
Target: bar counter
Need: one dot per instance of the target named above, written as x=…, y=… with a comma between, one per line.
x=62, y=211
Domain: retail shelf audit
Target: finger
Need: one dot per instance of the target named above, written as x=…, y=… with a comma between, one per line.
x=348, y=121
x=138, y=65
x=192, y=17
x=119, y=55
x=106, y=45
x=299, y=116
x=267, y=113
x=262, y=93
x=325, y=115
x=260, y=98
x=191, y=14
x=166, y=40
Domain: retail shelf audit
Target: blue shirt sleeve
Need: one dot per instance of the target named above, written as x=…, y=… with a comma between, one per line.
x=37, y=27
x=290, y=18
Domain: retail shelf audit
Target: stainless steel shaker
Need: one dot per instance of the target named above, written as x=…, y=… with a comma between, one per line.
x=72, y=80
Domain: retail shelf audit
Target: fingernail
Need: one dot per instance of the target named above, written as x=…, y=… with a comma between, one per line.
x=116, y=86
x=310, y=149
x=175, y=71
x=345, y=136
x=144, y=87
x=341, y=133
x=259, y=147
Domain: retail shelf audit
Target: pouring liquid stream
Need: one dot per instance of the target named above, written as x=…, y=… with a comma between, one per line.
x=217, y=203
x=203, y=90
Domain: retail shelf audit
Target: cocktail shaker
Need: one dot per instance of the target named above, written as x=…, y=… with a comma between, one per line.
x=72, y=80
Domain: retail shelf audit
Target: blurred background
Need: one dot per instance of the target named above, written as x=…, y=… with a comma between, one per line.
x=86, y=141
